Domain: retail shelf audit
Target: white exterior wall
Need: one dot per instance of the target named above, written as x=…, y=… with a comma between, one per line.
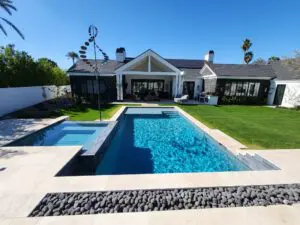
x=291, y=97
x=13, y=99
x=198, y=82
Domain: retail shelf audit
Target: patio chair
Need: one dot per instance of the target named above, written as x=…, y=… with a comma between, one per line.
x=182, y=99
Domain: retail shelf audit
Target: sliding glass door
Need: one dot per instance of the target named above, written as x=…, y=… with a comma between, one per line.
x=146, y=86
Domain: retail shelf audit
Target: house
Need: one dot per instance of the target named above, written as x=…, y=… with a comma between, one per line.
x=150, y=76
x=285, y=88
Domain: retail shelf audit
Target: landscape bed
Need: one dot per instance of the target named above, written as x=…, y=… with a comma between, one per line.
x=60, y=204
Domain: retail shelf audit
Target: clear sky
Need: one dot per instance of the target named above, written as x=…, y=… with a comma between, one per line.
x=172, y=28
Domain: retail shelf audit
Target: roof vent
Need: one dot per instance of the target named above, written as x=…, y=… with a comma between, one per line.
x=209, y=57
x=120, y=54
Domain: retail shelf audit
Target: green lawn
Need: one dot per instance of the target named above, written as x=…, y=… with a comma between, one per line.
x=85, y=113
x=254, y=126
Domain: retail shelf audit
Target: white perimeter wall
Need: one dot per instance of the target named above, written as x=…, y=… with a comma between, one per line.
x=291, y=97
x=13, y=99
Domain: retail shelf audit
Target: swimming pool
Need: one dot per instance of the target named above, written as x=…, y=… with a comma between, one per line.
x=65, y=133
x=161, y=140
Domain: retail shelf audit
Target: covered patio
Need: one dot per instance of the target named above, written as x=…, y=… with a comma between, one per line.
x=148, y=77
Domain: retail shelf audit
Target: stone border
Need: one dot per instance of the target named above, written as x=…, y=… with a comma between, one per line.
x=60, y=204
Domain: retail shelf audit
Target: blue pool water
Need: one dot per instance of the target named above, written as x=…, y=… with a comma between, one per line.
x=153, y=140
x=64, y=134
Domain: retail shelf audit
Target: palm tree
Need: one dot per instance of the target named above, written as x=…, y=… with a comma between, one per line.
x=7, y=5
x=273, y=59
x=73, y=56
x=248, y=56
x=246, y=45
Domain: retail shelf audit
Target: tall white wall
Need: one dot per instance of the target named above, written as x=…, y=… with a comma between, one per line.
x=291, y=97
x=13, y=99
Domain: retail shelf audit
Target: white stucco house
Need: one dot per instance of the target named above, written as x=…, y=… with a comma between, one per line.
x=285, y=88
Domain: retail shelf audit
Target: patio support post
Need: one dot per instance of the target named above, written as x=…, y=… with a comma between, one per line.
x=119, y=82
x=177, y=84
x=121, y=87
x=117, y=86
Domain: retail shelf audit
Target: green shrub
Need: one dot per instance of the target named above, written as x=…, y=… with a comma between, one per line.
x=19, y=69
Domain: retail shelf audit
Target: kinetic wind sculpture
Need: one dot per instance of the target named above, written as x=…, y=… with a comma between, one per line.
x=93, y=33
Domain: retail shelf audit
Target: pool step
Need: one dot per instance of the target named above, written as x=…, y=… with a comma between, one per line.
x=171, y=114
x=256, y=162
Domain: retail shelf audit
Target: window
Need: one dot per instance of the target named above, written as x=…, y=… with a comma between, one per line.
x=233, y=89
x=227, y=89
x=210, y=85
x=89, y=86
x=102, y=86
x=241, y=88
x=83, y=88
x=96, y=87
x=147, y=85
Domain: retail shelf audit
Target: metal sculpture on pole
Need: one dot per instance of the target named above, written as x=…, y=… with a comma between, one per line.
x=93, y=33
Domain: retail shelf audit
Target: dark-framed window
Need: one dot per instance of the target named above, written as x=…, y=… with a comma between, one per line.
x=148, y=85
x=241, y=88
x=210, y=85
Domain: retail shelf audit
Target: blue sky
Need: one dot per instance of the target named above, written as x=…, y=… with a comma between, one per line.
x=172, y=28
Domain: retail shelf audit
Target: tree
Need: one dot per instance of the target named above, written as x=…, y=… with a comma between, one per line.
x=273, y=59
x=260, y=61
x=8, y=6
x=248, y=55
x=293, y=63
x=72, y=55
x=19, y=69
x=54, y=64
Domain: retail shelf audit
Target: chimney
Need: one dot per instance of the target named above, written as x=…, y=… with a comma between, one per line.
x=120, y=54
x=209, y=57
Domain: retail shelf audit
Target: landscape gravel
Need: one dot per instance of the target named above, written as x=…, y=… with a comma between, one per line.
x=58, y=204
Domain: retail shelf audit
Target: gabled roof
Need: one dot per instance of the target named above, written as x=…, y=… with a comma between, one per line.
x=242, y=70
x=145, y=54
x=283, y=73
x=112, y=65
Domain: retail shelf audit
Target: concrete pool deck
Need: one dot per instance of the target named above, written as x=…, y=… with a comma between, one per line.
x=30, y=173
x=13, y=129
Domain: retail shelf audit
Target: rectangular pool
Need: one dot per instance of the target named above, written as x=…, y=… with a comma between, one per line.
x=65, y=133
x=161, y=140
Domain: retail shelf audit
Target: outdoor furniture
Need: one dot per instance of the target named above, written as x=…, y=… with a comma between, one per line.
x=202, y=98
x=182, y=99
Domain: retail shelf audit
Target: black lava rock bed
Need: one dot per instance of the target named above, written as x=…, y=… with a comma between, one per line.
x=56, y=204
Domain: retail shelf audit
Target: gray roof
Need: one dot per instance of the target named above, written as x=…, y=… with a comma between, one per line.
x=192, y=67
x=109, y=68
x=283, y=73
x=242, y=70
x=186, y=63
